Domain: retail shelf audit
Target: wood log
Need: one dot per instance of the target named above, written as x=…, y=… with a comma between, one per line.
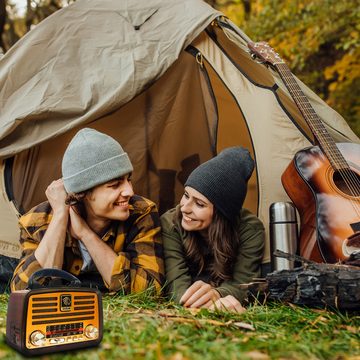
x=313, y=285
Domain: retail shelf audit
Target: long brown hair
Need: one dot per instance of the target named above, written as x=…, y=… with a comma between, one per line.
x=223, y=242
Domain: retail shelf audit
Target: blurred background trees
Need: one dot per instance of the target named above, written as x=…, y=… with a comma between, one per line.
x=318, y=39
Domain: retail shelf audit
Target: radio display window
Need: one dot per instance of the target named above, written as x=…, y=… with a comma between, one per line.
x=53, y=331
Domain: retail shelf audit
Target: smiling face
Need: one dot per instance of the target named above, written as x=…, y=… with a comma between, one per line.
x=110, y=201
x=197, y=211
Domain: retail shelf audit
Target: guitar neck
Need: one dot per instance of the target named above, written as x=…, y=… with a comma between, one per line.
x=326, y=142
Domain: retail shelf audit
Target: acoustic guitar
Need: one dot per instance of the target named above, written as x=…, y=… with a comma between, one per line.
x=323, y=181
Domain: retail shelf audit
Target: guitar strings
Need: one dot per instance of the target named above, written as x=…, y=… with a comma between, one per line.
x=312, y=114
x=350, y=178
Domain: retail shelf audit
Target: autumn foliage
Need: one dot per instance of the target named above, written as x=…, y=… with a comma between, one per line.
x=319, y=40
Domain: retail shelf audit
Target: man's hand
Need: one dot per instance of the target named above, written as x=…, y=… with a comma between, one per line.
x=199, y=294
x=79, y=229
x=228, y=303
x=56, y=196
x=50, y=252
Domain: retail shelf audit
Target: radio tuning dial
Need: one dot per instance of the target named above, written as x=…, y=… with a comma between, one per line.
x=37, y=338
x=91, y=332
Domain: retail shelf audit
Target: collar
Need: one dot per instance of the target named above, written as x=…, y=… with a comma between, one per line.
x=111, y=231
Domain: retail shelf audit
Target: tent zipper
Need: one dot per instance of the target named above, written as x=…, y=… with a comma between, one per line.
x=200, y=60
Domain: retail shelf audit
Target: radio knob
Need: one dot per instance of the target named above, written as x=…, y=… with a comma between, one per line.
x=91, y=332
x=37, y=338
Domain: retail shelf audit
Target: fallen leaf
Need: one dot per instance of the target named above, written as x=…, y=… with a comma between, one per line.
x=178, y=356
x=106, y=346
x=257, y=355
x=243, y=325
x=168, y=313
x=213, y=322
x=193, y=311
x=293, y=306
x=245, y=339
x=319, y=319
x=351, y=329
x=135, y=320
x=320, y=311
x=184, y=320
x=237, y=340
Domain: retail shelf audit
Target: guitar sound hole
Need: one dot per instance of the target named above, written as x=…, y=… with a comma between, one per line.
x=348, y=182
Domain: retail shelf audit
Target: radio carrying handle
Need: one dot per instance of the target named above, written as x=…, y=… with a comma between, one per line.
x=49, y=274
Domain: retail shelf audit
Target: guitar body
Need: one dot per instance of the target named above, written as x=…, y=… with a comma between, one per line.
x=323, y=184
x=329, y=212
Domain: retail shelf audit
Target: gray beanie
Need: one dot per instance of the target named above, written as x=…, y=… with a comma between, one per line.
x=223, y=180
x=93, y=158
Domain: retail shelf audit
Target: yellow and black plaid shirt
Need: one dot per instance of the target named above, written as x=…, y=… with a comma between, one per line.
x=136, y=242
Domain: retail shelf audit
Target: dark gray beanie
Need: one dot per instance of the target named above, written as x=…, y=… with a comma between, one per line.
x=223, y=180
x=93, y=158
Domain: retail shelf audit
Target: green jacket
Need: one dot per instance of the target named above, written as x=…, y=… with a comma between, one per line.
x=247, y=265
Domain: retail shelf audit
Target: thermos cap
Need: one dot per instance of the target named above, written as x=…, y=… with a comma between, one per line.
x=282, y=212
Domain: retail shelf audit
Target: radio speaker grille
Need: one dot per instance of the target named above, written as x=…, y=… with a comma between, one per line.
x=45, y=310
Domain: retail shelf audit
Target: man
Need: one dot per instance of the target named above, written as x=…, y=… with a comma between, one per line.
x=93, y=225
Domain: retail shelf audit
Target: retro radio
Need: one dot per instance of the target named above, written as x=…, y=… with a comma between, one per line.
x=47, y=319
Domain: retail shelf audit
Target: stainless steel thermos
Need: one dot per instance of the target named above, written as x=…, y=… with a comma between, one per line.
x=283, y=233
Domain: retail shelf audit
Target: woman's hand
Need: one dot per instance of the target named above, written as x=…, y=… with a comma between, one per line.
x=229, y=303
x=79, y=229
x=199, y=294
x=56, y=196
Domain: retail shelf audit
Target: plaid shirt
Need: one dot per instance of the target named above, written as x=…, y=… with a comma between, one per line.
x=136, y=242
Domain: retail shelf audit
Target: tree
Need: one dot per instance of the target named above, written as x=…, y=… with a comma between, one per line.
x=2, y=22
x=319, y=40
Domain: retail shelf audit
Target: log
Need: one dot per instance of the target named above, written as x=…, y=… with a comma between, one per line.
x=313, y=285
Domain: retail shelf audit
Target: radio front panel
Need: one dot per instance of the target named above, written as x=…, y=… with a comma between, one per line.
x=61, y=318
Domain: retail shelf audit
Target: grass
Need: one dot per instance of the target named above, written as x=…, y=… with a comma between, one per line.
x=145, y=327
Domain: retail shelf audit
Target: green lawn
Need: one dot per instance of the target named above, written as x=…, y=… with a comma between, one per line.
x=143, y=327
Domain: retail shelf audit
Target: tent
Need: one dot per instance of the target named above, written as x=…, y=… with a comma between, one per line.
x=172, y=81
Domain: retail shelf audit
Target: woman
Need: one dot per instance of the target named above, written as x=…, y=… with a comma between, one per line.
x=211, y=243
x=92, y=225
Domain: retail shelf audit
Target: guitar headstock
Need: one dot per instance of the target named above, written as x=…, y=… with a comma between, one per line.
x=263, y=51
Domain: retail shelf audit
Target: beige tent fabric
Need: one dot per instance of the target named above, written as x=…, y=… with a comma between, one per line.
x=170, y=109
x=155, y=130
x=266, y=76
x=9, y=238
x=275, y=139
x=127, y=44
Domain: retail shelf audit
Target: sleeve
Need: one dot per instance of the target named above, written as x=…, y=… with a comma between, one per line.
x=178, y=277
x=248, y=262
x=141, y=263
x=27, y=263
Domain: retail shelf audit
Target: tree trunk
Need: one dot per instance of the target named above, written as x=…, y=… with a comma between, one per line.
x=2, y=22
x=29, y=15
x=247, y=8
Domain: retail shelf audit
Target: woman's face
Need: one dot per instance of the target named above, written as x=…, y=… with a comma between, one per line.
x=197, y=211
x=110, y=201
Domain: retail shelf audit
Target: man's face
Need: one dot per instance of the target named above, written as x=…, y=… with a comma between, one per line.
x=110, y=201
